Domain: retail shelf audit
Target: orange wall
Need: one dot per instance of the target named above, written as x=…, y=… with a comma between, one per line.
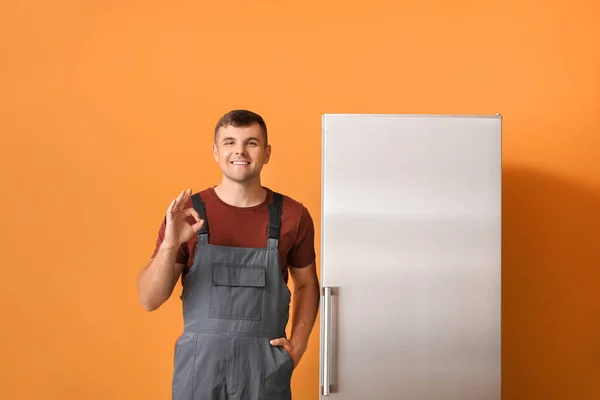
x=106, y=112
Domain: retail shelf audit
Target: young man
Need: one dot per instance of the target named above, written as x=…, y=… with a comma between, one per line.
x=233, y=245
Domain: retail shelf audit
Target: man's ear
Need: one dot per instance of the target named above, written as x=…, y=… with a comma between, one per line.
x=267, y=153
x=215, y=152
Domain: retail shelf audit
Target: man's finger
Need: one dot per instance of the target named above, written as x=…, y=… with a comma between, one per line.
x=196, y=227
x=170, y=208
x=191, y=211
x=279, y=342
x=186, y=196
x=178, y=201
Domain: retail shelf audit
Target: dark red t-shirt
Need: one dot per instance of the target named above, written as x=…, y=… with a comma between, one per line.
x=247, y=227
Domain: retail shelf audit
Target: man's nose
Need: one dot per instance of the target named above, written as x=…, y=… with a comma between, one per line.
x=240, y=150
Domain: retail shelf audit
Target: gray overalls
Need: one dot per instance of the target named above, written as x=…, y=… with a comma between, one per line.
x=234, y=302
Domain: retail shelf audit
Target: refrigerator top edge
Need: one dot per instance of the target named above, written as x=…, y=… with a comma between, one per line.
x=334, y=115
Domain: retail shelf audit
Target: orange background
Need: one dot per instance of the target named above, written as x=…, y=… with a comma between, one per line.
x=107, y=110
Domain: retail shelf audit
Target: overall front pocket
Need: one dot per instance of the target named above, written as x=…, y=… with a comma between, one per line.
x=184, y=372
x=237, y=291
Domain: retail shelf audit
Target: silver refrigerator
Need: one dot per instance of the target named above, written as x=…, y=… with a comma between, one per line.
x=411, y=257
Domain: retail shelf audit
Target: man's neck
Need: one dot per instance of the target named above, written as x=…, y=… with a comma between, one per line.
x=248, y=194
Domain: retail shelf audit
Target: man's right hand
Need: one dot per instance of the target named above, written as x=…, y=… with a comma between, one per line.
x=178, y=230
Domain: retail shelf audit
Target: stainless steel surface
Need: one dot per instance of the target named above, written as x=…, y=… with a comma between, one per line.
x=326, y=341
x=411, y=239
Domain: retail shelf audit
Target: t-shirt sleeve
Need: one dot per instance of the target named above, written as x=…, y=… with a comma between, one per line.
x=182, y=253
x=302, y=253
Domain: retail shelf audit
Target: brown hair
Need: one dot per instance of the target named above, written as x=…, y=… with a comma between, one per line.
x=242, y=118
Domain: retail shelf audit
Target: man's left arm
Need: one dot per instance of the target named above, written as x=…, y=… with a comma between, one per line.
x=305, y=306
x=307, y=294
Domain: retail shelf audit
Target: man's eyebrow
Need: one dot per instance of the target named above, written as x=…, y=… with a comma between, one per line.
x=232, y=138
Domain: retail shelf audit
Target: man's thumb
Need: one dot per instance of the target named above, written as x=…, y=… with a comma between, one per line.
x=196, y=227
x=278, y=342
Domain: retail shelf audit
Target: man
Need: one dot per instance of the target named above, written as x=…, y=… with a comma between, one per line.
x=233, y=245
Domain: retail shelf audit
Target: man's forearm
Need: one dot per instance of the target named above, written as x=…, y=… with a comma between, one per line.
x=306, y=305
x=157, y=280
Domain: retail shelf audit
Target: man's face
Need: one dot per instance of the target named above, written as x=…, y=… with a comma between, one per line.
x=241, y=152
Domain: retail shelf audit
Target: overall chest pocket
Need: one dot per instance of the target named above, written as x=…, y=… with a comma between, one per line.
x=237, y=291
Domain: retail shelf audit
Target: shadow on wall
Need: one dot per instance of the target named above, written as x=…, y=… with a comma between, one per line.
x=551, y=287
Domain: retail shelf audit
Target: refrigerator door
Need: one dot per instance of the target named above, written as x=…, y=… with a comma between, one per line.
x=411, y=257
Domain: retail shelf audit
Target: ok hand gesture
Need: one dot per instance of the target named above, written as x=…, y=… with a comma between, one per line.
x=178, y=229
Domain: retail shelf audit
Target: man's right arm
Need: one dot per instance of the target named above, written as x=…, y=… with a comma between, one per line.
x=157, y=280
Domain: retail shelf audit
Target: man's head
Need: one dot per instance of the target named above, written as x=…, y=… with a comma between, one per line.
x=242, y=119
x=241, y=145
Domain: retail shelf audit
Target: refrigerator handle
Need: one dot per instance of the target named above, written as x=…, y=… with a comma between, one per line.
x=326, y=340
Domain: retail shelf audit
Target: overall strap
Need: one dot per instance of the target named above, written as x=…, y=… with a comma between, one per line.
x=200, y=208
x=275, y=209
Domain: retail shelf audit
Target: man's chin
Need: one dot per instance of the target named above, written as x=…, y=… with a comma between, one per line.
x=241, y=178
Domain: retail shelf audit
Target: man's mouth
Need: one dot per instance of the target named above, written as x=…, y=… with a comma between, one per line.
x=240, y=162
